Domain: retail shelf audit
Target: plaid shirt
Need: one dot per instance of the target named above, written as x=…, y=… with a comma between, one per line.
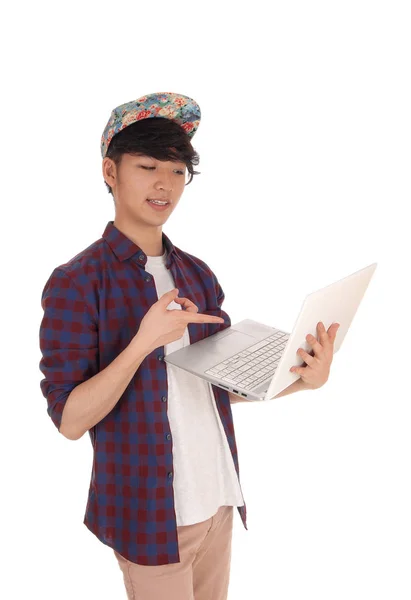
x=93, y=306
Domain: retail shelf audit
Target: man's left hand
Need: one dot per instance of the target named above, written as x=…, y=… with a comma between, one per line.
x=317, y=371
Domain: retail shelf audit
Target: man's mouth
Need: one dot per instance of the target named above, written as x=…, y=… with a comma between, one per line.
x=158, y=205
x=158, y=202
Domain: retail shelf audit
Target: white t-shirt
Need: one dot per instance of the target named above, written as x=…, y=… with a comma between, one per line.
x=204, y=473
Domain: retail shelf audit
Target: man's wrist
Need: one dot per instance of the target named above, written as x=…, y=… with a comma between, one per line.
x=141, y=346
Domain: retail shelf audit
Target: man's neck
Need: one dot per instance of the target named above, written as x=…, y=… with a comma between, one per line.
x=149, y=239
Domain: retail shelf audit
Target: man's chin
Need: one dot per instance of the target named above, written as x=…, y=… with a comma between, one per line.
x=150, y=219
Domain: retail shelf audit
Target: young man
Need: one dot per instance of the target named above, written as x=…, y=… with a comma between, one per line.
x=165, y=474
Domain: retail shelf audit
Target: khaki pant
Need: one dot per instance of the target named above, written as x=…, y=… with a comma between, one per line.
x=203, y=571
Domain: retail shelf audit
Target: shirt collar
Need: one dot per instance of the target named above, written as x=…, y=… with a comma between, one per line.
x=124, y=248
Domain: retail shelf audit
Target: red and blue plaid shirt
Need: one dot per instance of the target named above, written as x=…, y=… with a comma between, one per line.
x=93, y=306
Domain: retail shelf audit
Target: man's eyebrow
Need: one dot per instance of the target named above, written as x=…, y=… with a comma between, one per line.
x=172, y=162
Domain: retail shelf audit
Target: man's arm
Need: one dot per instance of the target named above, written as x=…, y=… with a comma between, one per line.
x=79, y=395
x=296, y=386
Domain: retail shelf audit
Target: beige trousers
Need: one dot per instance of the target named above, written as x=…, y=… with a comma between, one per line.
x=203, y=571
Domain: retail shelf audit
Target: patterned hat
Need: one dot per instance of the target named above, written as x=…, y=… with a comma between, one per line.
x=183, y=110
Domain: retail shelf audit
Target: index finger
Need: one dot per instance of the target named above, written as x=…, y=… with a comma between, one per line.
x=202, y=318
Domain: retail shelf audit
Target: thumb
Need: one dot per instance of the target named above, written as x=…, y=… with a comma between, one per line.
x=168, y=297
x=336, y=328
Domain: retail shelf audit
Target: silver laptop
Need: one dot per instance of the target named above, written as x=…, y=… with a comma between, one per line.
x=253, y=360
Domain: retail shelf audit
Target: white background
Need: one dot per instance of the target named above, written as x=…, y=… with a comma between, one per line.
x=305, y=178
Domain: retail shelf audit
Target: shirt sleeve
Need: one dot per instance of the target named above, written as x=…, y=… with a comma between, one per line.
x=217, y=310
x=68, y=342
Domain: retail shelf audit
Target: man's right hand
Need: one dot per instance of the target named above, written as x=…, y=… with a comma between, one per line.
x=161, y=326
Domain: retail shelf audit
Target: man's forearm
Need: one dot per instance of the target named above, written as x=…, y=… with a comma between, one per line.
x=296, y=386
x=92, y=400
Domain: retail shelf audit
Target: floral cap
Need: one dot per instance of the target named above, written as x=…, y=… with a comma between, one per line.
x=179, y=108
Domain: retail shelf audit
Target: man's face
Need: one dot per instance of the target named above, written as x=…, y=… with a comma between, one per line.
x=141, y=177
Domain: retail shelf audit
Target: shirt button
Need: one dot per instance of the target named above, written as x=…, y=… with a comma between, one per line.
x=160, y=357
x=147, y=278
x=170, y=475
x=168, y=436
x=163, y=398
x=141, y=257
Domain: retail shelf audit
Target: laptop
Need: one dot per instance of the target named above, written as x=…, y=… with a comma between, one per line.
x=253, y=360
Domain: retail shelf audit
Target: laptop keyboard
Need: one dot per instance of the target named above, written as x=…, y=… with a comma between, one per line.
x=255, y=364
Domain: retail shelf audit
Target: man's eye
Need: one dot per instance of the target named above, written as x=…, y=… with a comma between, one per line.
x=144, y=167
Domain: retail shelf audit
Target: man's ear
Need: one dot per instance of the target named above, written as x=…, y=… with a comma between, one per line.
x=110, y=171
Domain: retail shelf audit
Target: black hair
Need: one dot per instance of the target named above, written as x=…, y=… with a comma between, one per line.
x=157, y=137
